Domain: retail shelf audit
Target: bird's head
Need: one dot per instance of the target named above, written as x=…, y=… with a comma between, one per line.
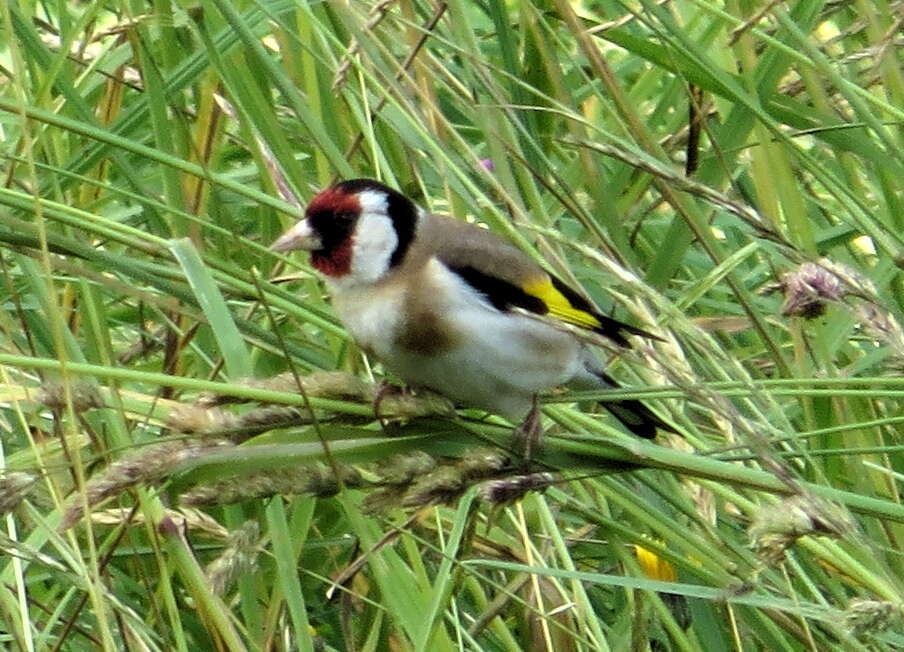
x=357, y=230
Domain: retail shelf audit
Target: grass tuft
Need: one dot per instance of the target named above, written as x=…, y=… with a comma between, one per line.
x=672, y=160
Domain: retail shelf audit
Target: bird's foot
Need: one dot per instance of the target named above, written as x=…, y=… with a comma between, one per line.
x=395, y=403
x=388, y=390
x=528, y=436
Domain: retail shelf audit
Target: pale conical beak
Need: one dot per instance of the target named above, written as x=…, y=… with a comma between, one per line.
x=299, y=236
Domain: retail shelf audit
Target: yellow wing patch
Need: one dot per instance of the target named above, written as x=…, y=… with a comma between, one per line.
x=654, y=566
x=558, y=304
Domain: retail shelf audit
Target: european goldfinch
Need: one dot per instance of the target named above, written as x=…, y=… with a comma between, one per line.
x=448, y=305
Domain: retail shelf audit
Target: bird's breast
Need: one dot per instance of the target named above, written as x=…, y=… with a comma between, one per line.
x=391, y=319
x=371, y=314
x=439, y=332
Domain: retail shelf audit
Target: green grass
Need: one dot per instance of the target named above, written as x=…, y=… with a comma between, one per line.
x=152, y=151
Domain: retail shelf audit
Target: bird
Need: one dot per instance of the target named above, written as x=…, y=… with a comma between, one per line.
x=455, y=308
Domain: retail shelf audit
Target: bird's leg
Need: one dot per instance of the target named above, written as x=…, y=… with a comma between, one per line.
x=528, y=436
x=385, y=390
x=407, y=402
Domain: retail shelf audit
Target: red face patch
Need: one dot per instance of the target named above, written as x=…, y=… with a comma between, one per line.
x=334, y=200
x=332, y=215
x=335, y=262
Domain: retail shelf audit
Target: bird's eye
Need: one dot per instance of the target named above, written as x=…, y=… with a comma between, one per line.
x=345, y=216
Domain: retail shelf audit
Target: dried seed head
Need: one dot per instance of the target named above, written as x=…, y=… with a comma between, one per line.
x=197, y=420
x=443, y=485
x=404, y=468
x=148, y=465
x=14, y=486
x=382, y=500
x=319, y=481
x=482, y=462
x=191, y=419
x=84, y=394
x=238, y=558
x=325, y=483
x=870, y=616
x=855, y=283
x=507, y=490
x=807, y=290
x=811, y=286
x=191, y=520
x=778, y=526
x=881, y=326
x=395, y=476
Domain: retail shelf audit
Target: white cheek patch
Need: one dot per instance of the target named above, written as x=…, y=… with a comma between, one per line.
x=375, y=240
x=372, y=202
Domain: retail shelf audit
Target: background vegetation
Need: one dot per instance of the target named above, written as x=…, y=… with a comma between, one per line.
x=673, y=159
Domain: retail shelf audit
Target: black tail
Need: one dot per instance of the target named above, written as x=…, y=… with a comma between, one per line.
x=634, y=415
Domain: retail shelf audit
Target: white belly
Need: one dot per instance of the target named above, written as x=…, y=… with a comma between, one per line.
x=499, y=360
x=499, y=371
